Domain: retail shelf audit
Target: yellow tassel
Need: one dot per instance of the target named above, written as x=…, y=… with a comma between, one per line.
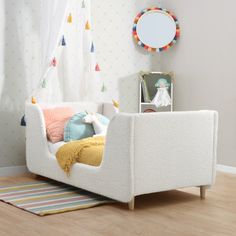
x=115, y=104
x=87, y=26
x=69, y=19
x=33, y=100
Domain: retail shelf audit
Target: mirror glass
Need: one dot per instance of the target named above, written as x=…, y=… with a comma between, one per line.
x=156, y=29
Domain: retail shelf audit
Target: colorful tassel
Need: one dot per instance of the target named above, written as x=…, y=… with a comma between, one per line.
x=69, y=19
x=33, y=100
x=83, y=4
x=54, y=62
x=97, y=68
x=44, y=84
x=92, y=48
x=104, y=89
x=116, y=104
x=23, y=122
x=87, y=26
x=63, y=41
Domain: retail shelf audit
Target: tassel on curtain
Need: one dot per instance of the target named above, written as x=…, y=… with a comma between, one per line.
x=54, y=62
x=23, y=122
x=63, y=41
x=92, y=48
x=97, y=68
x=87, y=26
x=104, y=89
x=33, y=100
x=69, y=19
x=44, y=84
x=83, y=4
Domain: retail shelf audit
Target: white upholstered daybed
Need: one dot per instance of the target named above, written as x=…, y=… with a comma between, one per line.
x=144, y=153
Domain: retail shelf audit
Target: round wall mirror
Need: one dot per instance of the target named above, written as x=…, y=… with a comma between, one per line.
x=156, y=29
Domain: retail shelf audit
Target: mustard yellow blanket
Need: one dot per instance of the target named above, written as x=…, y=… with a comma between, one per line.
x=87, y=151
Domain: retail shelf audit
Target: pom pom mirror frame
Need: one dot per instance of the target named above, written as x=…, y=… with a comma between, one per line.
x=165, y=17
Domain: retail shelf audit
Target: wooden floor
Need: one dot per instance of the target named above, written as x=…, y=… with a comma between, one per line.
x=174, y=213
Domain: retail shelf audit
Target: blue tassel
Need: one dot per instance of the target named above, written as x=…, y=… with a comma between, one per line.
x=63, y=41
x=23, y=122
x=92, y=48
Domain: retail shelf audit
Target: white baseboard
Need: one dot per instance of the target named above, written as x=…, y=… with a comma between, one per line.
x=18, y=170
x=226, y=169
x=13, y=170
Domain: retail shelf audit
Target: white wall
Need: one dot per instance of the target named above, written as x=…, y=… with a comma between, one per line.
x=2, y=40
x=120, y=61
x=204, y=61
x=120, y=58
x=18, y=64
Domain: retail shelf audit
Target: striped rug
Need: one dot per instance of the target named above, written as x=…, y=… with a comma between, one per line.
x=49, y=197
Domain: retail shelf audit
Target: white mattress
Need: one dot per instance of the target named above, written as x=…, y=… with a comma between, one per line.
x=53, y=147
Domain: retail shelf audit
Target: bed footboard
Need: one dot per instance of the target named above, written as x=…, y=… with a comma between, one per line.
x=163, y=151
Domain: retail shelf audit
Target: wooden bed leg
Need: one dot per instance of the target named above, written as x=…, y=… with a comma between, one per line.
x=131, y=204
x=203, y=192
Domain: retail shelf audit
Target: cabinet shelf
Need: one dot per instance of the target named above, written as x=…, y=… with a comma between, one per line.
x=148, y=90
x=147, y=103
x=150, y=104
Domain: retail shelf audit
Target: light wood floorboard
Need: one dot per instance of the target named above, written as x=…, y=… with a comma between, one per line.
x=177, y=213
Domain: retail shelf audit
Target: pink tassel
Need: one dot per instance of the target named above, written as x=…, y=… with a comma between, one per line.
x=54, y=62
x=97, y=68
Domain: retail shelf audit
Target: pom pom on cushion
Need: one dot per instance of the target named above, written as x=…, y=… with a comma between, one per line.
x=77, y=129
x=55, y=120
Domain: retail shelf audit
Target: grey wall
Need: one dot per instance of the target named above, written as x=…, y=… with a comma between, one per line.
x=204, y=61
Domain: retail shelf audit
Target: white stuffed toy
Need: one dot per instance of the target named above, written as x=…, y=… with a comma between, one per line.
x=99, y=128
x=162, y=98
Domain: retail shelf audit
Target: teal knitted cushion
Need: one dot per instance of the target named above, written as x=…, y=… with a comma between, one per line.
x=76, y=129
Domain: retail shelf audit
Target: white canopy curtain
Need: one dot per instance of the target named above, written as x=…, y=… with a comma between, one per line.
x=69, y=70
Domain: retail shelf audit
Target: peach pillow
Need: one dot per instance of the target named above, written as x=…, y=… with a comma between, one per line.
x=55, y=120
